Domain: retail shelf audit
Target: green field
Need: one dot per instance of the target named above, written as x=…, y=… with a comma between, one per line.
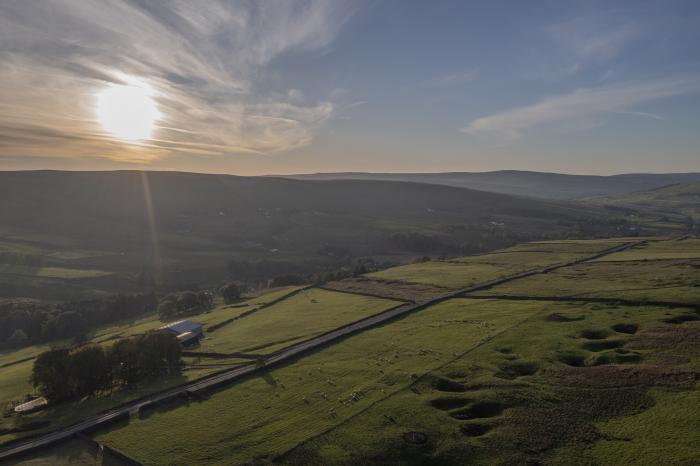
x=518, y=400
x=50, y=272
x=659, y=250
x=671, y=281
x=269, y=414
x=470, y=270
x=14, y=377
x=300, y=317
x=479, y=379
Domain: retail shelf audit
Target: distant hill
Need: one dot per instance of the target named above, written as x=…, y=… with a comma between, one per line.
x=526, y=183
x=209, y=227
x=677, y=202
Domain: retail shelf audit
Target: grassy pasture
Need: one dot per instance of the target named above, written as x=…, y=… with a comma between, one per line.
x=664, y=434
x=69, y=413
x=50, y=272
x=574, y=246
x=507, y=402
x=271, y=413
x=216, y=315
x=559, y=382
x=671, y=281
x=14, y=378
x=470, y=270
x=302, y=316
x=659, y=250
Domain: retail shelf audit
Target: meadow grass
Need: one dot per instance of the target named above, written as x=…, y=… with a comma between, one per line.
x=302, y=316
x=272, y=412
x=499, y=404
x=485, y=379
x=441, y=273
x=14, y=378
x=573, y=246
x=671, y=281
x=217, y=314
x=688, y=248
x=470, y=270
x=70, y=412
x=667, y=433
x=14, y=383
x=51, y=272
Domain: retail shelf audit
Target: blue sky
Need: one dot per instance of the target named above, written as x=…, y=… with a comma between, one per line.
x=310, y=86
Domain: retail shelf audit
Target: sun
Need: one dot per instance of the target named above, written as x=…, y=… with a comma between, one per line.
x=128, y=111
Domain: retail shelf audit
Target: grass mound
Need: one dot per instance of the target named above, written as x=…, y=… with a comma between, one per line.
x=625, y=375
x=613, y=357
x=601, y=345
x=514, y=369
x=532, y=430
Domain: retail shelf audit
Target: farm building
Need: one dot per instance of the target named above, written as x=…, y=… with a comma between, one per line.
x=187, y=332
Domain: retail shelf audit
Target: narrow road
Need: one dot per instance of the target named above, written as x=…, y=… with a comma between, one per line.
x=287, y=354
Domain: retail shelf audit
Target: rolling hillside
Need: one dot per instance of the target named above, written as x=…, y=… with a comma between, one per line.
x=680, y=202
x=526, y=183
x=125, y=229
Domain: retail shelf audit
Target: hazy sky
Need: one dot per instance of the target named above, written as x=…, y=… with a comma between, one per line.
x=306, y=86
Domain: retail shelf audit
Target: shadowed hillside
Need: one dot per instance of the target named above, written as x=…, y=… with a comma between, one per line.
x=206, y=227
x=677, y=202
x=527, y=183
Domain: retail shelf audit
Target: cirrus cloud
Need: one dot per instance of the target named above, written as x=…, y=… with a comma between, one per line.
x=579, y=105
x=205, y=60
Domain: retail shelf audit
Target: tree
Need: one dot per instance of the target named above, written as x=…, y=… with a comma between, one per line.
x=123, y=361
x=89, y=370
x=159, y=352
x=50, y=373
x=205, y=299
x=167, y=308
x=230, y=293
x=187, y=300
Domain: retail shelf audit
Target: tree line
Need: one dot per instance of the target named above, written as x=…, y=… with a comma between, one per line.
x=30, y=322
x=184, y=303
x=88, y=369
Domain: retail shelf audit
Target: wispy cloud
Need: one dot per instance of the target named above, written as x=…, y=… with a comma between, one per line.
x=590, y=38
x=579, y=105
x=653, y=116
x=574, y=46
x=206, y=60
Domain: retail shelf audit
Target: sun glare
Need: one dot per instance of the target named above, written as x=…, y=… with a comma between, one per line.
x=128, y=111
